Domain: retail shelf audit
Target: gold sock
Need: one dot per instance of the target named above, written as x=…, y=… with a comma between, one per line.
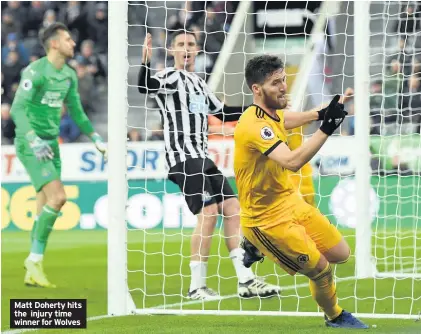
x=323, y=290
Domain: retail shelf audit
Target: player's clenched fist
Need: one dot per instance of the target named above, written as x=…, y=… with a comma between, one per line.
x=334, y=116
x=147, y=49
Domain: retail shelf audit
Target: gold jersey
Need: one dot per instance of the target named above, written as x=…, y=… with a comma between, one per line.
x=263, y=185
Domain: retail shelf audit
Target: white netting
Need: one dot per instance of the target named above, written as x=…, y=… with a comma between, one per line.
x=159, y=221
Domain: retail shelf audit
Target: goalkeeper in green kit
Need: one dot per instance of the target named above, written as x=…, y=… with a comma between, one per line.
x=45, y=85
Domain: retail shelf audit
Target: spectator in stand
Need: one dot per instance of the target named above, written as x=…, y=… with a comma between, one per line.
x=18, y=11
x=408, y=25
x=69, y=131
x=411, y=106
x=203, y=62
x=38, y=52
x=91, y=59
x=21, y=25
x=133, y=135
x=394, y=79
x=4, y=91
x=98, y=27
x=86, y=82
x=11, y=69
x=376, y=111
x=384, y=107
x=179, y=20
x=8, y=26
x=12, y=91
x=197, y=11
x=156, y=133
x=226, y=11
x=213, y=35
x=7, y=124
x=73, y=15
x=35, y=18
x=49, y=18
x=13, y=44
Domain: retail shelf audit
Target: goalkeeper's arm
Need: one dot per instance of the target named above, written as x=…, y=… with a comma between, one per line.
x=28, y=86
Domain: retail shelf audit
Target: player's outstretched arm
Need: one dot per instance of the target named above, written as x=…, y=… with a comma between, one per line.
x=145, y=83
x=220, y=110
x=77, y=113
x=294, y=160
x=229, y=113
x=29, y=84
x=296, y=119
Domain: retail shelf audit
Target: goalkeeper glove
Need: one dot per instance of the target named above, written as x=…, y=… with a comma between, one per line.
x=333, y=117
x=99, y=144
x=40, y=147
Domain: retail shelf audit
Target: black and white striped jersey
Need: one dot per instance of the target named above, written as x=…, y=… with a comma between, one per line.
x=185, y=101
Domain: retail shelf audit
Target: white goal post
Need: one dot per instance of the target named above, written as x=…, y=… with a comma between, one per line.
x=147, y=267
x=119, y=300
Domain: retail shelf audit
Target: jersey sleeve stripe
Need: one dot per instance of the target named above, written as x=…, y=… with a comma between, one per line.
x=259, y=113
x=270, y=150
x=275, y=251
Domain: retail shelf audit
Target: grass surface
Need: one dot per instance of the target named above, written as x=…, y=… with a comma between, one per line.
x=159, y=275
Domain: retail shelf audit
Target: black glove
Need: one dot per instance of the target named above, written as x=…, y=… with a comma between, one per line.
x=322, y=112
x=333, y=116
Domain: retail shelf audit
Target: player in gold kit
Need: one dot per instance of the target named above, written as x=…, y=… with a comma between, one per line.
x=275, y=219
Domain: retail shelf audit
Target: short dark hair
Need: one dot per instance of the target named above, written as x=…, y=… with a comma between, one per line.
x=180, y=32
x=51, y=31
x=259, y=68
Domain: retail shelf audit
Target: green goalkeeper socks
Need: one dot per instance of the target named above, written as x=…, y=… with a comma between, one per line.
x=34, y=228
x=42, y=229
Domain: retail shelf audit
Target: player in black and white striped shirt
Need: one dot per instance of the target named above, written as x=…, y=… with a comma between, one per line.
x=185, y=101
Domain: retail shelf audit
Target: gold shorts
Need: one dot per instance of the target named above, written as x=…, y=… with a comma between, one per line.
x=295, y=243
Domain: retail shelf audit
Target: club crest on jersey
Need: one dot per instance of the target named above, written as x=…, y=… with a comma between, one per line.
x=267, y=133
x=27, y=84
x=198, y=104
x=303, y=258
x=206, y=197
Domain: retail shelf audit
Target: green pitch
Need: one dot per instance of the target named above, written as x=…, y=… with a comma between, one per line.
x=76, y=262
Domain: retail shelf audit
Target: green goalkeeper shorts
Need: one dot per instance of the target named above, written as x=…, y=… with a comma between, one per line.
x=40, y=172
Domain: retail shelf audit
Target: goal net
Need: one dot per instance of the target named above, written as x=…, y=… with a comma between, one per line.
x=366, y=178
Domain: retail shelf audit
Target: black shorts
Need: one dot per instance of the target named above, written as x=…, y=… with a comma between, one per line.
x=201, y=183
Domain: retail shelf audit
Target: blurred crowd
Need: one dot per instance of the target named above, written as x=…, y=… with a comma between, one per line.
x=20, y=26
x=395, y=101
x=210, y=21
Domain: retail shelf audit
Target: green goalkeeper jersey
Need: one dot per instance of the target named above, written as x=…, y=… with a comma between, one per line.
x=39, y=99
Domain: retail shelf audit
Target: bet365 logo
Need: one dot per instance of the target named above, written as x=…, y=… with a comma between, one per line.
x=52, y=99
